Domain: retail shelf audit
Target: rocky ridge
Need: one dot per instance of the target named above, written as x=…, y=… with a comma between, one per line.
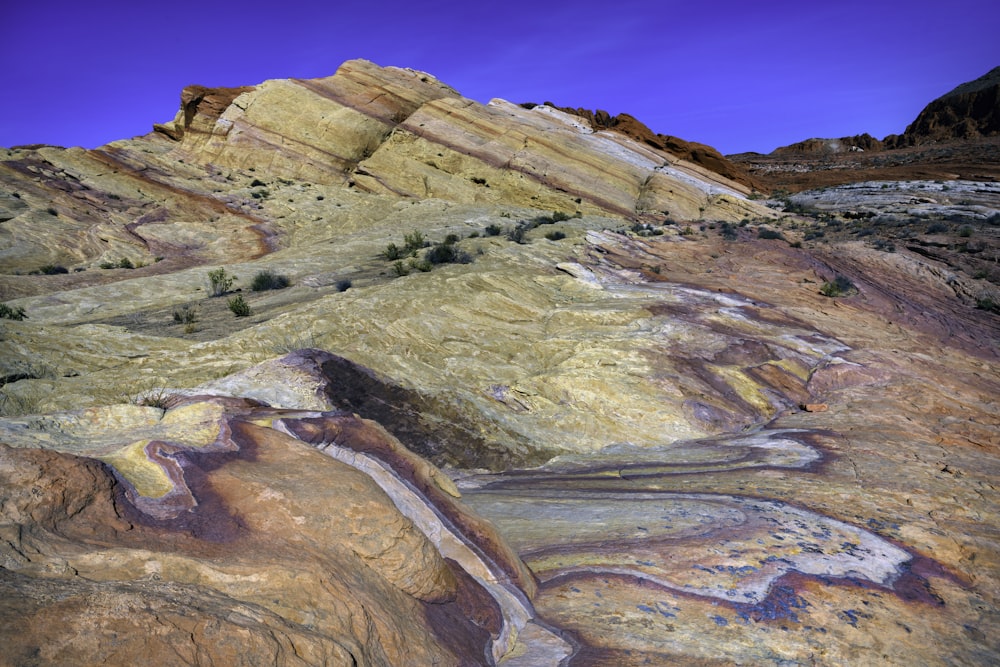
x=607, y=435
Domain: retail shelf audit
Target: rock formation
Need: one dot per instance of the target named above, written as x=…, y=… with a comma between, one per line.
x=970, y=111
x=540, y=391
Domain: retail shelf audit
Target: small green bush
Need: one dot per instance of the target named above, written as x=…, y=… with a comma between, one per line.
x=493, y=230
x=451, y=239
x=393, y=252
x=268, y=280
x=839, y=286
x=344, y=285
x=555, y=235
x=422, y=265
x=765, y=233
x=400, y=269
x=937, y=228
x=220, y=282
x=52, y=269
x=12, y=312
x=445, y=253
x=51, y=211
x=125, y=263
x=239, y=307
x=414, y=241
x=965, y=231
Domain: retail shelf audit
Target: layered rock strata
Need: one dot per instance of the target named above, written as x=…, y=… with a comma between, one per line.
x=289, y=556
x=702, y=453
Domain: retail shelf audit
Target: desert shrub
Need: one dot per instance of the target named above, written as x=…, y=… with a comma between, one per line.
x=937, y=228
x=52, y=269
x=187, y=314
x=268, y=280
x=220, y=282
x=765, y=233
x=414, y=241
x=344, y=285
x=799, y=208
x=12, y=312
x=839, y=286
x=125, y=263
x=728, y=232
x=493, y=230
x=555, y=235
x=474, y=235
x=557, y=216
x=884, y=245
x=444, y=253
x=257, y=183
x=517, y=234
x=965, y=231
x=988, y=304
x=392, y=252
x=260, y=194
x=400, y=269
x=154, y=398
x=479, y=181
x=239, y=307
x=422, y=265
x=51, y=211
x=451, y=239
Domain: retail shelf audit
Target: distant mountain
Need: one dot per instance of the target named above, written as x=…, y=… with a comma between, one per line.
x=969, y=112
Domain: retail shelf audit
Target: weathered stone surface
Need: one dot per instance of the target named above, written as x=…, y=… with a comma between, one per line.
x=620, y=398
x=277, y=540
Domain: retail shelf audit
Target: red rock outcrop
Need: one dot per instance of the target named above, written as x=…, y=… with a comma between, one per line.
x=858, y=143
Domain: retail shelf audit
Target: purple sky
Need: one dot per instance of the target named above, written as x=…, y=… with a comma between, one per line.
x=739, y=76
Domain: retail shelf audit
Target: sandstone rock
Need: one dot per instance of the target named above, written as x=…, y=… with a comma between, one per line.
x=280, y=541
x=590, y=447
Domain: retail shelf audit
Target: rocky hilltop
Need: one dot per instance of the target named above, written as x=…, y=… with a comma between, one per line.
x=358, y=371
x=970, y=111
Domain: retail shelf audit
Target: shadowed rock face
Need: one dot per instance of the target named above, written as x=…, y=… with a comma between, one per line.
x=618, y=437
x=970, y=111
